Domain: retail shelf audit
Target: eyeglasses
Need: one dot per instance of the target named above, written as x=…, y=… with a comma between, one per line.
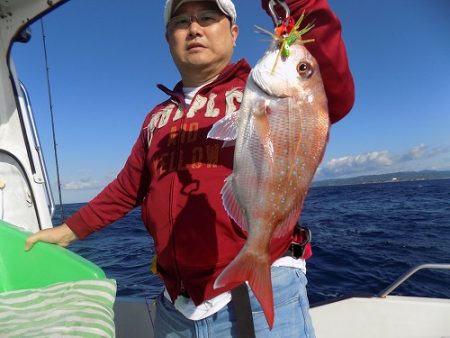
x=204, y=18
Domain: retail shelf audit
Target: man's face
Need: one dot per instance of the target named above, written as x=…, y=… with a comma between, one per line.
x=198, y=47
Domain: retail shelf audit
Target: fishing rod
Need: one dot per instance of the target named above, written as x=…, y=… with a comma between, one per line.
x=55, y=145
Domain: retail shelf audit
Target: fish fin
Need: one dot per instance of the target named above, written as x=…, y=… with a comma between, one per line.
x=226, y=128
x=229, y=144
x=288, y=224
x=255, y=269
x=231, y=204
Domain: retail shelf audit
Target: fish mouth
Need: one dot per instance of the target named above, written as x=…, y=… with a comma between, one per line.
x=262, y=83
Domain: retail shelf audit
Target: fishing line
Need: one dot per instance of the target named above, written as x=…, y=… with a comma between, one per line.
x=55, y=145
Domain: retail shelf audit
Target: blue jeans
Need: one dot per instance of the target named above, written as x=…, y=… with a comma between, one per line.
x=292, y=318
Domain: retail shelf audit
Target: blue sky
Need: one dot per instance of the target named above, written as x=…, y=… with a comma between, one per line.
x=105, y=58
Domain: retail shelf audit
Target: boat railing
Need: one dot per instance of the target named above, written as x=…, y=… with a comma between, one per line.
x=408, y=274
x=38, y=149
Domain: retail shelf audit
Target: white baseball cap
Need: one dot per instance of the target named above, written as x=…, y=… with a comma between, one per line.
x=226, y=6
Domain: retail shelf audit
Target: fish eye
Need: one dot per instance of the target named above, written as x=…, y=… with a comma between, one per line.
x=304, y=69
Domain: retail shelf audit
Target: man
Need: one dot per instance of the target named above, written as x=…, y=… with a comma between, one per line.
x=175, y=174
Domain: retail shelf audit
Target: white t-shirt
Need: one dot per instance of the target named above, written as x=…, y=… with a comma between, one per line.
x=189, y=93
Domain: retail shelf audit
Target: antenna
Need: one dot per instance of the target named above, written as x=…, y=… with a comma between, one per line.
x=47, y=71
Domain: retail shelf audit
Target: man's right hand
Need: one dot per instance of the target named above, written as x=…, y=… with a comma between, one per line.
x=61, y=235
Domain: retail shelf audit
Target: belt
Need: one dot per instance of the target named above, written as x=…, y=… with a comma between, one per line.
x=184, y=293
x=302, y=237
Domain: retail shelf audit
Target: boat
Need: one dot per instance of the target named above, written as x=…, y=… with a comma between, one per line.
x=26, y=204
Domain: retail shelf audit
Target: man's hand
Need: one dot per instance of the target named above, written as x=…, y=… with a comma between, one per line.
x=61, y=235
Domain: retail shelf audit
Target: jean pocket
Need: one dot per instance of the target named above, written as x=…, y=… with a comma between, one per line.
x=302, y=277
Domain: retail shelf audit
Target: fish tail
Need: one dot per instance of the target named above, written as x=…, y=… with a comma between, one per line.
x=255, y=269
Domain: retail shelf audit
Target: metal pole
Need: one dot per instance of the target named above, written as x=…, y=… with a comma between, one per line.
x=408, y=274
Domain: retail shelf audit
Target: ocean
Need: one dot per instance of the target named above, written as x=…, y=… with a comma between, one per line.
x=364, y=238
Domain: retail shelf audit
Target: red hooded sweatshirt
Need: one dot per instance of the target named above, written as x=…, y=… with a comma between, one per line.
x=176, y=174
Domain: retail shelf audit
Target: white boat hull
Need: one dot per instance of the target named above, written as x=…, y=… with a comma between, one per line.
x=390, y=317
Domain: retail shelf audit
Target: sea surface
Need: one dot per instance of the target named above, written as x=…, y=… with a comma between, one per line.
x=364, y=238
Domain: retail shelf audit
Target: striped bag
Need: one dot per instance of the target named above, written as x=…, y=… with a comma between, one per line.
x=69, y=309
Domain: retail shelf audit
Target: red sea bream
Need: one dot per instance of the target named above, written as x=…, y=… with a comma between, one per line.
x=281, y=131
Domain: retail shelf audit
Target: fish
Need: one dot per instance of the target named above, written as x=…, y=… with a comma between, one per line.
x=280, y=132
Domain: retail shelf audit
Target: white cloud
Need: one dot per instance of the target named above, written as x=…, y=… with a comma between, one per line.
x=415, y=153
x=358, y=164
x=419, y=157
x=424, y=152
x=82, y=184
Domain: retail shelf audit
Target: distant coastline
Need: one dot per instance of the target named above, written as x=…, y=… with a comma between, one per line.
x=385, y=178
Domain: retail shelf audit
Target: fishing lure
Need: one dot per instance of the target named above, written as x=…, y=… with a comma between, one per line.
x=287, y=33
